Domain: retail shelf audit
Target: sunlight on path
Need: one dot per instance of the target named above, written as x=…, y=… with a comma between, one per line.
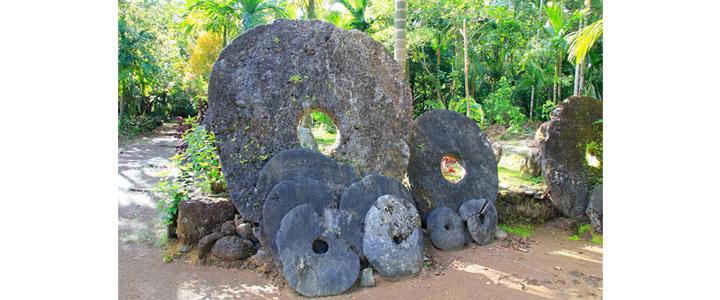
x=505, y=279
x=194, y=289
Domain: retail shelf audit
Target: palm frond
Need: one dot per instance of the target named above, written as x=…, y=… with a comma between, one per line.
x=582, y=40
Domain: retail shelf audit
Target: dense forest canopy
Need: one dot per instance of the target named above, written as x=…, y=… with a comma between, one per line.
x=509, y=62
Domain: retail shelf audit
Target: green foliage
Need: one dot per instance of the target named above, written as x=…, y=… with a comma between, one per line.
x=200, y=159
x=200, y=171
x=320, y=118
x=583, y=231
x=500, y=109
x=521, y=230
x=582, y=40
x=547, y=108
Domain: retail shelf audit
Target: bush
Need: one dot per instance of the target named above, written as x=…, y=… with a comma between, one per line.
x=500, y=110
x=200, y=170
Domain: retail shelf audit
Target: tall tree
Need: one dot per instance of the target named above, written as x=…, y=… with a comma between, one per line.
x=357, y=9
x=400, y=47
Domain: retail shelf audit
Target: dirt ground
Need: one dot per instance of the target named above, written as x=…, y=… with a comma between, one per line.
x=546, y=266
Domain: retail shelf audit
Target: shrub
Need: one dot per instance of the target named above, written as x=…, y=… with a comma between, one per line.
x=500, y=110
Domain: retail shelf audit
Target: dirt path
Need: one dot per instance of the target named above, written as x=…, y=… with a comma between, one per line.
x=552, y=267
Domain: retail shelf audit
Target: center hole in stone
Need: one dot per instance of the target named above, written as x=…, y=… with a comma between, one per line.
x=319, y=246
x=447, y=226
x=452, y=168
x=397, y=239
x=317, y=130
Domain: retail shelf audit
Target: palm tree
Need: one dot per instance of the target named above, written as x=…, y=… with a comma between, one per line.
x=231, y=17
x=556, y=31
x=580, y=43
x=400, y=47
x=357, y=12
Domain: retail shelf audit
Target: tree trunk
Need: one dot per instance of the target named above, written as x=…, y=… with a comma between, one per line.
x=311, y=14
x=400, y=48
x=581, y=80
x=532, y=101
x=437, y=69
x=465, y=63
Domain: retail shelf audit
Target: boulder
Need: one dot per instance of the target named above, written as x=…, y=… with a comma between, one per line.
x=367, y=279
x=199, y=216
x=314, y=262
x=595, y=208
x=306, y=138
x=297, y=165
x=245, y=230
x=227, y=228
x=531, y=163
x=481, y=219
x=285, y=196
x=497, y=150
x=441, y=132
x=563, y=145
x=265, y=81
x=447, y=230
x=393, y=241
x=229, y=248
x=206, y=243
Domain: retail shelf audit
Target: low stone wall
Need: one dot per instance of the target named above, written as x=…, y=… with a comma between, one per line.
x=524, y=205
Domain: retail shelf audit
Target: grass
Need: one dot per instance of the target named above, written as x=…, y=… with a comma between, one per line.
x=584, y=230
x=516, y=178
x=324, y=139
x=521, y=230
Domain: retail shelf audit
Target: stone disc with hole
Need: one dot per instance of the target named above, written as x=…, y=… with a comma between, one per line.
x=435, y=134
x=315, y=262
x=447, y=229
x=267, y=78
x=296, y=165
x=393, y=241
x=284, y=197
x=361, y=195
x=562, y=142
x=481, y=218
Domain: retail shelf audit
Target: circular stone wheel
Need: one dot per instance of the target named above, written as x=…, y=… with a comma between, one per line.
x=562, y=140
x=447, y=230
x=361, y=195
x=435, y=134
x=393, y=242
x=315, y=263
x=269, y=77
x=481, y=218
x=296, y=165
x=284, y=197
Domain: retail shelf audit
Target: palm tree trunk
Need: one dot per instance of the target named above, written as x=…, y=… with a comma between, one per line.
x=532, y=101
x=400, y=47
x=311, y=14
x=465, y=59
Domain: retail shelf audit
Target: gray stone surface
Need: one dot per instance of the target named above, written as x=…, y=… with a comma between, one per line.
x=524, y=205
x=245, y=231
x=306, y=138
x=447, y=229
x=285, y=196
x=231, y=248
x=481, y=219
x=298, y=165
x=199, y=216
x=366, y=278
x=315, y=262
x=265, y=79
x=562, y=153
x=227, y=228
x=595, y=208
x=206, y=243
x=346, y=226
x=531, y=163
x=393, y=242
x=440, y=132
x=497, y=150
